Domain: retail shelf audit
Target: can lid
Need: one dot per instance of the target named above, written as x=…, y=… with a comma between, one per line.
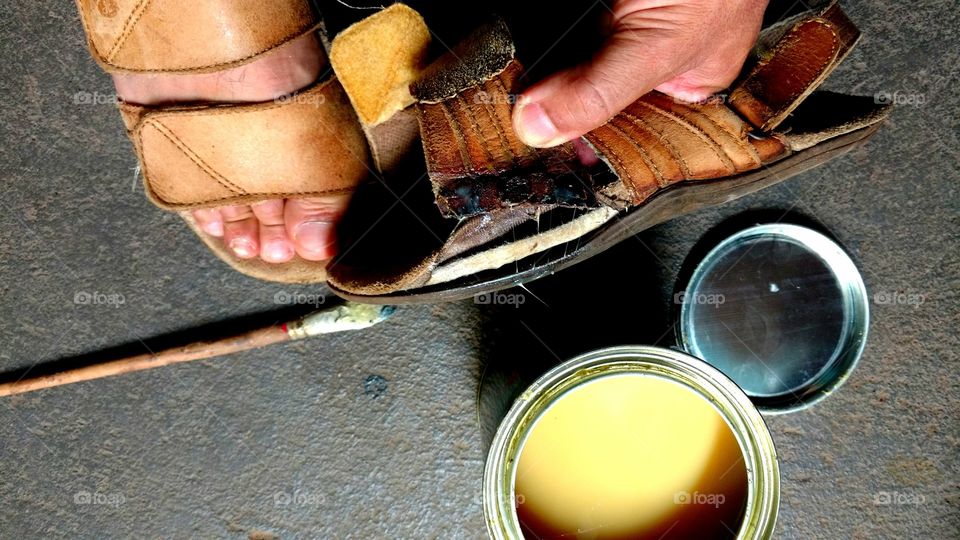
x=779, y=308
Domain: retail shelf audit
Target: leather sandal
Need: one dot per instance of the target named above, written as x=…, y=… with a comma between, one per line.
x=497, y=213
x=306, y=144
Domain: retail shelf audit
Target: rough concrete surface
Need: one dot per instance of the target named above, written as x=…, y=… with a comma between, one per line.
x=296, y=441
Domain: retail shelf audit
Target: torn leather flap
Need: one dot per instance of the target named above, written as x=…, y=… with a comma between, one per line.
x=474, y=158
x=377, y=58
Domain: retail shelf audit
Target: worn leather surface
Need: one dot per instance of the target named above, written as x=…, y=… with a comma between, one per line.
x=478, y=167
x=186, y=36
x=477, y=163
x=306, y=144
x=480, y=56
x=474, y=158
x=801, y=60
x=658, y=141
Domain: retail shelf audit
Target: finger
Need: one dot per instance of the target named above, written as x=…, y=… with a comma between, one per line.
x=209, y=220
x=275, y=247
x=311, y=223
x=240, y=231
x=570, y=103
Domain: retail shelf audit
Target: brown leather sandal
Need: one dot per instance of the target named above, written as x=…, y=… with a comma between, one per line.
x=509, y=213
x=306, y=144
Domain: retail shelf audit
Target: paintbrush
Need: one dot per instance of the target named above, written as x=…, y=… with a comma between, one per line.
x=347, y=316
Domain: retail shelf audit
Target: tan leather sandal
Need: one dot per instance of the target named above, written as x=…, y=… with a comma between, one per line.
x=494, y=213
x=509, y=213
x=307, y=144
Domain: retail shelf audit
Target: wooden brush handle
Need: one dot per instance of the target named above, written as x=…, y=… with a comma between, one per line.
x=345, y=317
x=194, y=351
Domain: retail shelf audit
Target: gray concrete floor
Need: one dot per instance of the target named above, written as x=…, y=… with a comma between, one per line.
x=211, y=449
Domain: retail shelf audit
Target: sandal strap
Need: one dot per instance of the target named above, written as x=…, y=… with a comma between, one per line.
x=304, y=145
x=475, y=159
x=184, y=36
x=658, y=141
x=478, y=165
x=800, y=61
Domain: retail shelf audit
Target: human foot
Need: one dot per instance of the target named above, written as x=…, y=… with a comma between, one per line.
x=275, y=230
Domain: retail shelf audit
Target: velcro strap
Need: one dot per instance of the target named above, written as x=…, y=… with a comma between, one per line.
x=190, y=36
x=801, y=60
x=307, y=144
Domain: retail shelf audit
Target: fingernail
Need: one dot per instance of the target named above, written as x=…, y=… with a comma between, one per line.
x=536, y=128
x=277, y=251
x=243, y=248
x=314, y=236
x=214, y=228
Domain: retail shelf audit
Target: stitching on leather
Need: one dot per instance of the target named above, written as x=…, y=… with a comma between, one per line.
x=270, y=195
x=154, y=115
x=86, y=31
x=744, y=145
x=661, y=180
x=128, y=27
x=766, y=61
x=712, y=144
x=622, y=168
x=458, y=135
x=163, y=193
x=531, y=151
x=476, y=126
x=662, y=139
x=209, y=203
x=170, y=201
x=718, y=145
x=499, y=128
x=153, y=191
x=196, y=159
x=312, y=25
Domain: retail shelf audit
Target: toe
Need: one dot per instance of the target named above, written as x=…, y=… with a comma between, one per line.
x=240, y=231
x=209, y=220
x=585, y=153
x=311, y=224
x=275, y=247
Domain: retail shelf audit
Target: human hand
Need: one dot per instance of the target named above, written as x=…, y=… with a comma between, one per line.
x=688, y=49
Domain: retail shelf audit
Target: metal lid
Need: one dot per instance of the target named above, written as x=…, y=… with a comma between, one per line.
x=780, y=309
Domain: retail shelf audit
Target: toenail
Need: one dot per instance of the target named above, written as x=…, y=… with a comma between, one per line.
x=314, y=236
x=277, y=251
x=243, y=247
x=214, y=228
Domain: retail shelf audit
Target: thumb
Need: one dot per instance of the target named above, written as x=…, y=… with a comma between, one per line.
x=570, y=103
